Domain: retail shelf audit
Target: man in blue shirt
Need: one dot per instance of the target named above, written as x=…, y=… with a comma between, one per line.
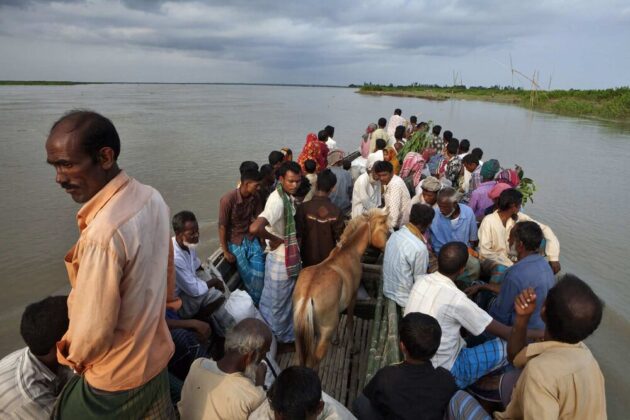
x=453, y=223
x=531, y=270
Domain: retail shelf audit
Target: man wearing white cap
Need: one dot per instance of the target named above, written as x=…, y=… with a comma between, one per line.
x=366, y=194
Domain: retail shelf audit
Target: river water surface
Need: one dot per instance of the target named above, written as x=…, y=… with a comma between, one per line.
x=188, y=140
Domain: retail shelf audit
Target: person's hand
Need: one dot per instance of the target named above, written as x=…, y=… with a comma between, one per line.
x=229, y=257
x=202, y=330
x=216, y=283
x=275, y=243
x=555, y=266
x=473, y=290
x=525, y=303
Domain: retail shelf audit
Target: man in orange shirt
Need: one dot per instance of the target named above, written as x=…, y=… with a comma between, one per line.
x=117, y=338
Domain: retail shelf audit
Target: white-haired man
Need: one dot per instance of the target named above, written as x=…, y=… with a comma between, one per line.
x=232, y=387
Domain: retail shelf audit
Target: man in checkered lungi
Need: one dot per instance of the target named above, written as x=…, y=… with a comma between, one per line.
x=436, y=295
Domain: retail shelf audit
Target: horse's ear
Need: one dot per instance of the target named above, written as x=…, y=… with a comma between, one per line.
x=385, y=211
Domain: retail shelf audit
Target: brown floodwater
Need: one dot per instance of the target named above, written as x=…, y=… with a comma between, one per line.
x=188, y=140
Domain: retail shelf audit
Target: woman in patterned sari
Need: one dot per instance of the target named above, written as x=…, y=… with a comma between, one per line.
x=315, y=150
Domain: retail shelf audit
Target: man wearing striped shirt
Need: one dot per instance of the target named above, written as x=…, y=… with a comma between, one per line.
x=31, y=378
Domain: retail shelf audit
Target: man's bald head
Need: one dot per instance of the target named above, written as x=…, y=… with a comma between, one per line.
x=572, y=310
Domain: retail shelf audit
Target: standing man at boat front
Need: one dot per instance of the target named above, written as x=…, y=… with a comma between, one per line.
x=117, y=339
x=276, y=224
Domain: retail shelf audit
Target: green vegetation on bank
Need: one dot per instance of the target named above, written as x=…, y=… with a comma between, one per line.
x=607, y=104
x=37, y=83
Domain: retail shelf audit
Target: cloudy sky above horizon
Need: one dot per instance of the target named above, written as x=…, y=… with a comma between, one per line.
x=572, y=43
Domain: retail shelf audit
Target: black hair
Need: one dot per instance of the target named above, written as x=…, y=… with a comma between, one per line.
x=382, y=122
x=275, y=157
x=248, y=165
x=421, y=335
x=93, y=130
x=573, y=311
x=322, y=136
x=304, y=188
x=287, y=166
x=180, y=219
x=452, y=258
x=452, y=146
x=383, y=166
x=296, y=393
x=508, y=198
x=397, y=111
x=381, y=144
x=326, y=181
x=310, y=166
x=469, y=159
x=250, y=176
x=400, y=132
x=421, y=215
x=266, y=170
x=44, y=323
x=529, y=234
x=447, y=136
x=477, y=152
x=330, y=130
x=347, y=164
x=413, y=119
x=437, y=129
x=464, y=146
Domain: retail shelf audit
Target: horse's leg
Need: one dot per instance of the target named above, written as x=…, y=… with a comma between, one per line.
x=350, y=324
x=325, y=336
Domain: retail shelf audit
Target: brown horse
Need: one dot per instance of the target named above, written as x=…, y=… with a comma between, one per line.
x=328, y=288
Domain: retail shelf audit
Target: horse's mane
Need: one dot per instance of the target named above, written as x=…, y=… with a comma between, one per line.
x=356, y=222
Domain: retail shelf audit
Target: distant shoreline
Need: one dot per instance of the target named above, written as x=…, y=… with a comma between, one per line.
x=71, y=83
x=607, y=105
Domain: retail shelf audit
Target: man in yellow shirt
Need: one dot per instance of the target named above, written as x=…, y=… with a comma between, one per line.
x=117, y=339
x=560, y=379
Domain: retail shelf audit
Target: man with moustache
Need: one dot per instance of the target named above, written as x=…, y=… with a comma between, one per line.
x=276, y=225
x=230, y=388
x=117, y=339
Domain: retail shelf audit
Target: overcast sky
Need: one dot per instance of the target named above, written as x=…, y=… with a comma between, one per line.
x=575, y=43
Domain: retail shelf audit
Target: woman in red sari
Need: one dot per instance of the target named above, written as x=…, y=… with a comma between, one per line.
x=315, y=150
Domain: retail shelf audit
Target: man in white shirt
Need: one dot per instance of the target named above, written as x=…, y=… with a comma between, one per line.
x=32, y=378
x=331, y=143
x=366, y=192
x=494, y=234
x=396, y=193
x=436, y=295
x=276, y=305
x=297, y=394
x=395, y=121
x=406, y=255
x=199, y=298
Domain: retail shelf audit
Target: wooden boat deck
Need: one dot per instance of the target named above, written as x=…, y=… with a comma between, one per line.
x=341, y=372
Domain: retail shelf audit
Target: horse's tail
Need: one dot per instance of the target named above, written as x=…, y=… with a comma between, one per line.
x=304, y=325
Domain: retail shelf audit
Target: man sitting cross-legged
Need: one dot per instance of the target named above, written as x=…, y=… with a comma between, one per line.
x=531, y=270
x=297, y=395
x=230, y=388
x=561, y=379
x=436, y=295
x=32, y=378
x=414, y=388
x=199, y=298
x=407, y=255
